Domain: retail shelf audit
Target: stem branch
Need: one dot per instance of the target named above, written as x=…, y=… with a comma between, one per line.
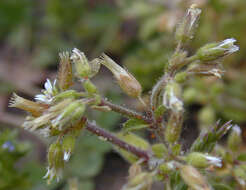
x=125, y=111
x=116, y=141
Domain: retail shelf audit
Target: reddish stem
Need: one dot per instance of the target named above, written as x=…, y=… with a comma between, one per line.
x=116, y=141
x=126, y=111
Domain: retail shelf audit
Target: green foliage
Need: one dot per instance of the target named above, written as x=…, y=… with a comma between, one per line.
x=133, y=125
x=11, y=151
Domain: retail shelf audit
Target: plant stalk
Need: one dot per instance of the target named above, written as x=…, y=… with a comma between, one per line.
x=116, y=141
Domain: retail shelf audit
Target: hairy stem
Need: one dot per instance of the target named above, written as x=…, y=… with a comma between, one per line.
x=116, y=141
x=125, y=111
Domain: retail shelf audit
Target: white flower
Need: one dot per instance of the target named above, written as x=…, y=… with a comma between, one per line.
x=66, y=156
x=48, y=93
x=228, y=46
x=214, y=160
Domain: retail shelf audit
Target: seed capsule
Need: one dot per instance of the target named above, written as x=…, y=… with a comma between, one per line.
x=125, y=80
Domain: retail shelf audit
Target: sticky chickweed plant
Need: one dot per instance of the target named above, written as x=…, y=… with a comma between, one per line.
x=59, y=113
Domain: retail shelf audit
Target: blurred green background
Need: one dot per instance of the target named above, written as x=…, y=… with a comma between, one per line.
x=137, y=34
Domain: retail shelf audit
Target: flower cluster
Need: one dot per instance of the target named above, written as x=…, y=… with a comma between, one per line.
x=60, y=112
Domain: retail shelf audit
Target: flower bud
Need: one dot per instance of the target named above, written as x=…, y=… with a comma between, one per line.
x=95, y=65
x=172, y=97
x=66, y=94
x=125, y=80
x=84, y=68
x=55, y=155
x=202, y=160
x=213, y=51
x=65, y=71
x=34, y=108
x=55, y=160
x=81, y=63
x=71, y=114
x=181, y=77
x=173, y=128
x=235, y=138
x=193, y=178
x=68, y=146
x=186, y=28
x=167, y=167
x=159, y=150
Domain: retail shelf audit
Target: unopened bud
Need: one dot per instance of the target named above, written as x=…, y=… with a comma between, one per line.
x=167, y=167
x=186, y=28
x=78, y=113
x=213, y=51
x=66, y=94
x=159, y=150
x=65, y=71
x=68, y=146
x=69, y=114
x=56, y=163
x=125, y=80
x=55, y=155
x=180, y=77
x=173, y=128
x=34, y=108
x=81, y=63
x=235, y=138
x=193, y=178
x=172, y=97
x=95, y=65
x=202, y=160
x=176, y=149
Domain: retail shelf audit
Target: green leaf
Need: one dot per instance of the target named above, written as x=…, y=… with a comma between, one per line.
x=242, y=157
x=133, y=125
x=134, y=140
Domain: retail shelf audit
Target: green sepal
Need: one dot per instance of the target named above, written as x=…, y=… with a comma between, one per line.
x=133, y=125
x=159, y=111
x=159, y=150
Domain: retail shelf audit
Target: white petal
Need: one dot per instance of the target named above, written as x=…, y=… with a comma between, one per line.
x=227, y=41
x=214, y=160
x=66, y=156
x=48, y=86
x=237, y=129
